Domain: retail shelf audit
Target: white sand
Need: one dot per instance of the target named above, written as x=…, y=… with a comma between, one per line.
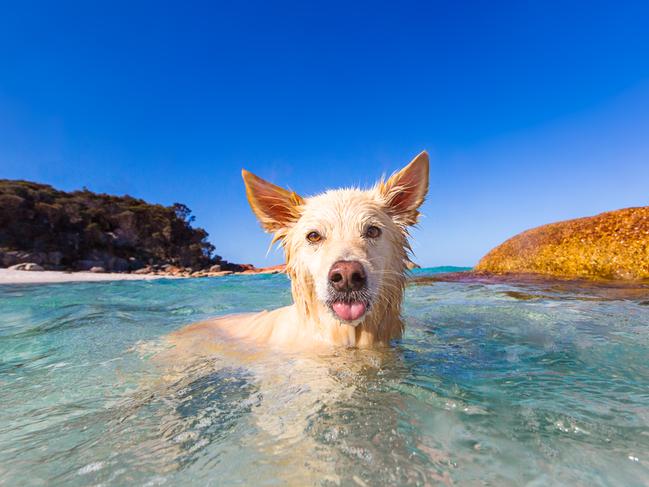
x=43, y=277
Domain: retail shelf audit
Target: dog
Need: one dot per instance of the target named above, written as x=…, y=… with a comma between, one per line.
x=346, y=253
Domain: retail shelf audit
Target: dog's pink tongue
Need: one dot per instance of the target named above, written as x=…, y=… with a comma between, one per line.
x=349, y=311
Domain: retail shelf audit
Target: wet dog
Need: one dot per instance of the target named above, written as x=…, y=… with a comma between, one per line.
x=346, y=254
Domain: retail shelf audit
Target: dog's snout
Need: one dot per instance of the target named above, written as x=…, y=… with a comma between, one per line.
x=347, y=275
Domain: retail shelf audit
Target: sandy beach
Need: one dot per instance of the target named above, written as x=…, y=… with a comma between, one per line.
x=8, y=276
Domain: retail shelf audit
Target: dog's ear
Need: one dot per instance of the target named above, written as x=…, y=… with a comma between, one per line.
x=405, y=191
x=275, y=207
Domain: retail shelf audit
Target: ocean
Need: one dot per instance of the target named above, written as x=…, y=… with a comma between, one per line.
x=493, y=384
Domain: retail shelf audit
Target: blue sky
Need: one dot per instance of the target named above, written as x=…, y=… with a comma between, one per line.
x=532, y=111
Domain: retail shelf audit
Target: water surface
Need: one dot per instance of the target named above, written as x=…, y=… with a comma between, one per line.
x=493, y=384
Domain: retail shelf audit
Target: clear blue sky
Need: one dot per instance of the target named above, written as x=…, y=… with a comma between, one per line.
x=532, y=111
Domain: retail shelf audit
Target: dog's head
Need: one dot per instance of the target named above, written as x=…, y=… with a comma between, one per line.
x=345, y=249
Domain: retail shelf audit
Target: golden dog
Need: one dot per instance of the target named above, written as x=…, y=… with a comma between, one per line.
x=346, y=253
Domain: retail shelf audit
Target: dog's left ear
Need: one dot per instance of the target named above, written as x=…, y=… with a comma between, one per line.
x=275, y=207
x=406, y=190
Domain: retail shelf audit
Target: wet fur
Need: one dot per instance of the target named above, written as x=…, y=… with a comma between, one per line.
x=341, y=216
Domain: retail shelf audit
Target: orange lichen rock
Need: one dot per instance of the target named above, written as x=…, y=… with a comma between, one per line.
x=612, y=245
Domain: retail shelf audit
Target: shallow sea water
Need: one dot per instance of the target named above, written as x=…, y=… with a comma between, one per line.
x=493, y=384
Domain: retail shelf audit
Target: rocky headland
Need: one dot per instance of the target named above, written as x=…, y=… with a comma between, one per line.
x=42, y=228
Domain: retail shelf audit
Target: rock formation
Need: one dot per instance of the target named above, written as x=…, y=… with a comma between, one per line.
x=611, y=245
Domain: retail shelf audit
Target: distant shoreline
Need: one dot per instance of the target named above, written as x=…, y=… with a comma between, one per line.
x=8, y=276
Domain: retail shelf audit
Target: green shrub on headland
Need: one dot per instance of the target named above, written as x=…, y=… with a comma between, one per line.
x=82, y=229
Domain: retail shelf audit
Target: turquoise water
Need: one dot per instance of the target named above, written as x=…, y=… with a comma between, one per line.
x=493, y=384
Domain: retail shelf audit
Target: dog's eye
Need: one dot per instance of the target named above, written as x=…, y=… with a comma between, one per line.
x=373, y=232
x=314, y=237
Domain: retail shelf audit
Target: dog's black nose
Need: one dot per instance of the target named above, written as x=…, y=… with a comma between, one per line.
x=346, y=275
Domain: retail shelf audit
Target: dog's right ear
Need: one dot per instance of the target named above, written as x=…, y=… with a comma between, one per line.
x=275, y=207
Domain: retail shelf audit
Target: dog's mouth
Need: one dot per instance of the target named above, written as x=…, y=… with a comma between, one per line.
x=349, y=311
x=349, y=307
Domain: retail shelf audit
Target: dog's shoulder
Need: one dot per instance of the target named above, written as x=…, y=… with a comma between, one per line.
x=258, y=327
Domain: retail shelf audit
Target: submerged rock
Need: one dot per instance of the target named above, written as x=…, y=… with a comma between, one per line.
x=612, y=245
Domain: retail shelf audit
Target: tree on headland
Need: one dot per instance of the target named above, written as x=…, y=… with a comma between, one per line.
x=73, y=228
